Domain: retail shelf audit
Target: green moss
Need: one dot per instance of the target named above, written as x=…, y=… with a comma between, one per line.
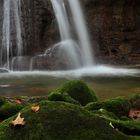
x=60, y=121
x=135, y=101
x=79, y=91
x=9, y=109
x=119, y=106
x=57, y=96
x=2, y=100
x=94, y=106
x=123, y=124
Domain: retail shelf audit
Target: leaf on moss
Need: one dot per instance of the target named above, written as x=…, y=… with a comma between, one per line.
x=18, y=101
x=18, y=120
x=35, y=108
x=134, y=114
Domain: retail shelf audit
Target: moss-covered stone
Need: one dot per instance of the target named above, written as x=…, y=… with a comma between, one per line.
x=135, y=101
x=79, y=91
x=94, y=106
x=2, y=100
x=57, y=96
x=9, y=109
x=119, y=106
x=123, y=123
x=60, y=121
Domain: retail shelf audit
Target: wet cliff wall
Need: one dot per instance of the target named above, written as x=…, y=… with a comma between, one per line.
x=114, y=26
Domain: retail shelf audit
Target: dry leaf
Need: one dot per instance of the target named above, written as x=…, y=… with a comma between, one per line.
x=134, y=114
x=17, y=101
x=18, y=120
x=35, y=108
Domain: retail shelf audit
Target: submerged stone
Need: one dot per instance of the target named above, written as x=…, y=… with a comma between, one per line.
x=2, y=70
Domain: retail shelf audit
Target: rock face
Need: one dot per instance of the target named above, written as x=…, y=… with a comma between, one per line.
x=37, y=22
x=113, y=25
x=115, y=31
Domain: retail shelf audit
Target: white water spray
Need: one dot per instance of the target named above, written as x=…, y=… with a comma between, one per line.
x=81, y=31
x=11, y=7
x=83, y=42
x=5, y=50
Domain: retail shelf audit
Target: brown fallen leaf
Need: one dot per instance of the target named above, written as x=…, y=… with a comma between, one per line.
x=35, y=108
x=134, y=114
x=18, y=120
x=17, y=101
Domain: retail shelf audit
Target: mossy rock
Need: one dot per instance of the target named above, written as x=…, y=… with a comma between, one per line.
x=94, y=106
x=123, y=124
x=57, y=96
x=60, y=121
x=9, y=109
x=2, y=101
x=79, y=91
x=119, y=106
x=135, y=101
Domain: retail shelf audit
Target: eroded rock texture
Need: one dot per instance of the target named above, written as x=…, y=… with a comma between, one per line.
x=113, y=26
x=38, y=27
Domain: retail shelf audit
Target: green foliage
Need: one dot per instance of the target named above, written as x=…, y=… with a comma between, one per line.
x=60, y=121
x=79, y=91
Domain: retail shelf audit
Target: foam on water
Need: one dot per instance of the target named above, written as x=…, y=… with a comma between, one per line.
x=89, y=71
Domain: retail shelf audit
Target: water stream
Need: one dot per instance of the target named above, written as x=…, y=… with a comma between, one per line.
x=85, y=57
x=11, y=30
x=74, y=43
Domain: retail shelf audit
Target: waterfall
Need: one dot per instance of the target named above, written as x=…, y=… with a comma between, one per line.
x=5, y=48
x=11, y=23
x=74, y=39
x=67, y=45
x=81, y=31
x=85, y=57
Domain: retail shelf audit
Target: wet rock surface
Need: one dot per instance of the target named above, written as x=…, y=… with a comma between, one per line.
x=113, y=26
x=2, y=70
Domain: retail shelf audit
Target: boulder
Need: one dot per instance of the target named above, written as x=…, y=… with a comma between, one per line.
x=79, y=91
x=60, y=121
x=3, y=70
x=119, y=106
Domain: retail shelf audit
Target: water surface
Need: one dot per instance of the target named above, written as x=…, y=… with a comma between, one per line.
x=106, y=82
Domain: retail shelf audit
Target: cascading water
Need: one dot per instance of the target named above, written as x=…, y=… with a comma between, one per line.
x=11, y=21
x=67, y=45
x=85, y=57
x=74, y=46
x=81, y=31
x=5, y=48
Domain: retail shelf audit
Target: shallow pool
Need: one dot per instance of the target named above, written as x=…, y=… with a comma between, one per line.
x=105, y=83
